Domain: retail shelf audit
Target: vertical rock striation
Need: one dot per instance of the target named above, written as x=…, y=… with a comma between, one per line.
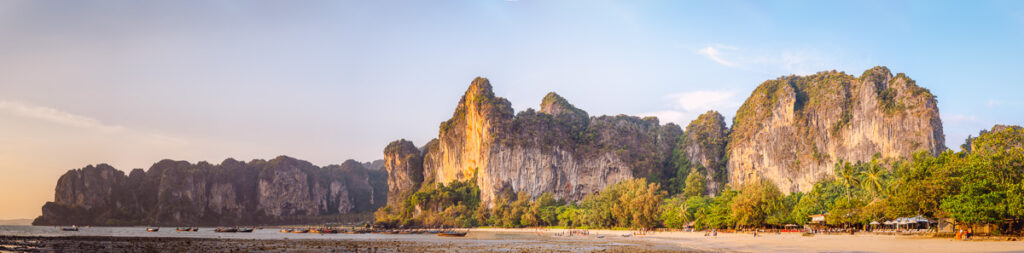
x=280, y=190
x=559, y=149
x=792, y=130
x=404, y=164
x=703, y=146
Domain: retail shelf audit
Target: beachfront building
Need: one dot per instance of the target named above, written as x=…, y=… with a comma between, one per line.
x=817, y=222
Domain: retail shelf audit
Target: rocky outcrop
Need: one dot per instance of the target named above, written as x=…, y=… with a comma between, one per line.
x=559, y=149
x=703, y=147
x=404, y=164
x=281, y=190
x=995, y=140
x=792, y=130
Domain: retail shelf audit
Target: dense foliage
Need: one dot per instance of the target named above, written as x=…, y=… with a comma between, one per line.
x=980, y=185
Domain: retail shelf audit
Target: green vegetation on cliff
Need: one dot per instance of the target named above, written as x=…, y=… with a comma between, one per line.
x=970, y=187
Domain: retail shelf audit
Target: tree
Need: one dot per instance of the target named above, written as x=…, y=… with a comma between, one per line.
x=846, y=211
x=873, y=177
x=980, y=197
x=698, y=209
x=755, y=203
x=846, y=175
x=631, y=203
x=673, y=213
x=696, y=184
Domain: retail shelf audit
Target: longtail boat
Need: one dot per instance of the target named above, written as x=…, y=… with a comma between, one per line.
x=225, y=230
x=453, y=234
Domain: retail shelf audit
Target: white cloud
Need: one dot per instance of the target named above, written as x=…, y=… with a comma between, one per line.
x=686, y=106
x=775, y=62
x=63, y=118
x=715, y=54
x=670, y=116
x=960, y=118
x=56, y=116
x=701, y=99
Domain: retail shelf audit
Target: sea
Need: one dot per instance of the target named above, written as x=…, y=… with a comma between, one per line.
x=266, y=233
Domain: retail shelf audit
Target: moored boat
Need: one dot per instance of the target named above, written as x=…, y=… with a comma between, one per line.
x=72, y=228
x=245, y=230
x=183, y=229
x=152, y=229
x=300, y=231
x=225, y=230
x=287, y=230
x=453, y=234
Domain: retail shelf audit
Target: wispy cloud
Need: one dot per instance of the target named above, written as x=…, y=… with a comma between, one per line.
x=56, y=116
x=686, y=106
x=959, y=118
x=993, y=103
x=701, y=99
x=714, y=53
x=63, y=118
x=779, y=62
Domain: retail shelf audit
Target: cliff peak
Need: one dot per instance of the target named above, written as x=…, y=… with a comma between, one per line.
x=879, y=73
x=793, y=129
x=480, y=87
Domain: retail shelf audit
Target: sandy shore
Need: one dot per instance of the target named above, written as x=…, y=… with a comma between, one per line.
x=795, y=242
x=520, y=240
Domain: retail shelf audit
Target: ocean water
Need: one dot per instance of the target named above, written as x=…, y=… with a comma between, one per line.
x=267, y=233
x=474, y=240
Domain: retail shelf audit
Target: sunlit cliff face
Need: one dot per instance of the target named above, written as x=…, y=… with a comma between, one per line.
x=465, y=144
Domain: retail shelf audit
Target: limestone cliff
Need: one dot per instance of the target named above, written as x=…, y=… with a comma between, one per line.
x=559, y=149
x=404, y=164
x=281, y=190
x=793, y=129
x=703, y=147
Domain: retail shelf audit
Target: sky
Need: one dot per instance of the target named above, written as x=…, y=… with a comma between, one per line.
x=128, y=83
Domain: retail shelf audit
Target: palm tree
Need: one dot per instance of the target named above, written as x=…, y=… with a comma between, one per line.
x=873, y=177
x=847, y=176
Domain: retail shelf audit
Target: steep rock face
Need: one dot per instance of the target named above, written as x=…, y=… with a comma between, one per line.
x=404, y=164
x=282, y=190
x=560, y=149
x=703, y=145
x=89, y=186
x=793, y=129
x=285, y=188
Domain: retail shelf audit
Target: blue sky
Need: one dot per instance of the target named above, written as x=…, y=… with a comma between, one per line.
x=132, y=82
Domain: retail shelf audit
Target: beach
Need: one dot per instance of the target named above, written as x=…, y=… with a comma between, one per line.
x=796, y=242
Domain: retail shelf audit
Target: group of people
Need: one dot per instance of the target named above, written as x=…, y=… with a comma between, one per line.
x=712, y=232
x=574, y=232
x=964, y=234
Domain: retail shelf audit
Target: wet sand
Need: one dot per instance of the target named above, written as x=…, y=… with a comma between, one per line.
x=153, y=244
x=517, y=240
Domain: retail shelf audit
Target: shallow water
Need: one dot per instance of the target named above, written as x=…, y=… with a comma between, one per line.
x=208, y=232
x=492, y=240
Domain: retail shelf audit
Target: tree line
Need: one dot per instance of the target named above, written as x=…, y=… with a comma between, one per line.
x=979, y=185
